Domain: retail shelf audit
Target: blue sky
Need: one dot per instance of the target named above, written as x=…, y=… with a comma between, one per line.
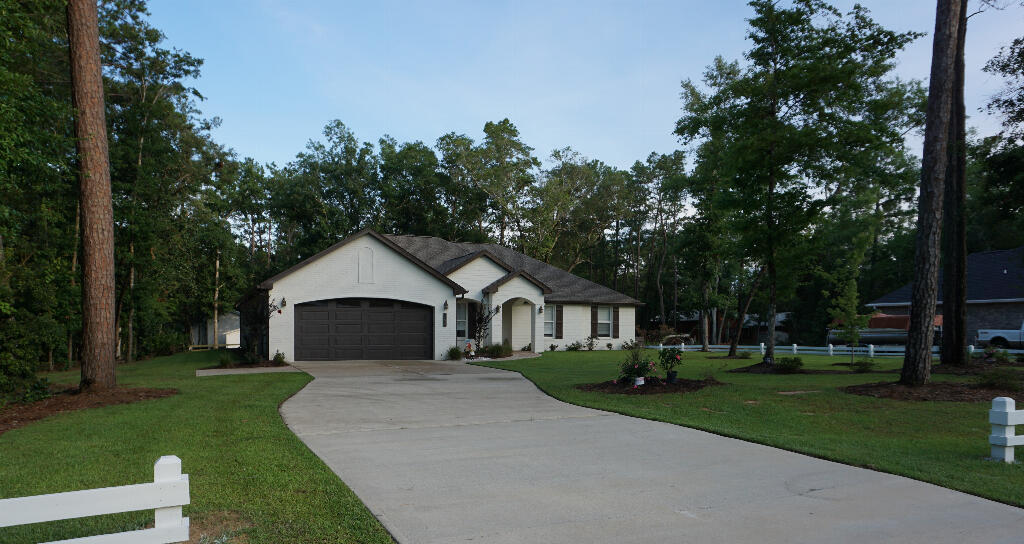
x=602, y=76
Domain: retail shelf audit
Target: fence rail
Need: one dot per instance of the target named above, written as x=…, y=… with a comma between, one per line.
x=869, y=350
x=165, y=495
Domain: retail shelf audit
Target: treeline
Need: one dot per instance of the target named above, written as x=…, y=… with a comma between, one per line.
x=795, y=192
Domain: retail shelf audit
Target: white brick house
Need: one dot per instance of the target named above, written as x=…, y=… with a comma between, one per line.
x=375, y=296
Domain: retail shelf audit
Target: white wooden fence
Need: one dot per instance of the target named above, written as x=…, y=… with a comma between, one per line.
x=1004, y=418
x=869, y=350
x=166, y=494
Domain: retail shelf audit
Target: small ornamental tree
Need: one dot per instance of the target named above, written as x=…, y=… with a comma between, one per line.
x=636, y=365
x=670, y=358
x=481, y=323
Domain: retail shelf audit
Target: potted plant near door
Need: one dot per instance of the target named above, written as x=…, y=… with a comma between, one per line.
x=668, y=360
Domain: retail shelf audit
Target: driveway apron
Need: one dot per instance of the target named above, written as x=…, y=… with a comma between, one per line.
x=445, y=452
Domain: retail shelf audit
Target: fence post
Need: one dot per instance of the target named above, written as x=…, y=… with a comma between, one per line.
x=168, y=469
x=970, y=349
x=682, y=346
x=871, y=351
x=762, y=348
x=830, y=350
x=1002, y=432
x=661, y=346
x=794, y=349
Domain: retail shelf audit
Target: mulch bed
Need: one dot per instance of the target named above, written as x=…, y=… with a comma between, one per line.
x=70, y=400
x=938, y=391
x=654, y=386
x=762, y=368
x=974, y=368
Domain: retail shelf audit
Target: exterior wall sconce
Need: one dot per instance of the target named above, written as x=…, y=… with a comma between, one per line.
x=284, y=302
x=446, y=305
x=540, y=309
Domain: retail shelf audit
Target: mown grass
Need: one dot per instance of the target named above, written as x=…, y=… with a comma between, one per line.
x=940, y=442
x=243, y=462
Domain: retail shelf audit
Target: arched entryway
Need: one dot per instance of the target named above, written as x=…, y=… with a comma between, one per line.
x=519, y=324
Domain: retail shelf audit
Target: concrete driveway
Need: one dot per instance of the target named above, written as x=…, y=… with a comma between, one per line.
x=446, y=452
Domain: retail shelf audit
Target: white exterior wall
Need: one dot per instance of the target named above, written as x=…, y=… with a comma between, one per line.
x=476, y=275
x=335, y=276
x=576, y=326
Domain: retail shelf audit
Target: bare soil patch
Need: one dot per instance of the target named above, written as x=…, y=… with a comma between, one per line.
x=939, y=391
x=210, y=527
x=654, y=386
x=762, y=368
x=70, y=400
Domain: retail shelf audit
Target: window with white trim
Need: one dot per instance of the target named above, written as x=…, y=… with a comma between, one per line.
x=460, y=321
x=549, y=322
x=604, y=321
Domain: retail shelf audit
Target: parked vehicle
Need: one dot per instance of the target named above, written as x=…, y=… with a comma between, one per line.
x=883, y=330
x=1002, y=338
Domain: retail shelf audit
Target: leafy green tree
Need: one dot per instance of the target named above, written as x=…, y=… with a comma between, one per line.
x=571, y=207
x=803, y=109
x=502, y=166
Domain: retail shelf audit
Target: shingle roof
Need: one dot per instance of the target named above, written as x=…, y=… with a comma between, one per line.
x=443, y=255
x=991, y=275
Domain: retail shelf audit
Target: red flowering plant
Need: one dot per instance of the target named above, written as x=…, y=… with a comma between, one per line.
x=636, y=365
x=670, y=358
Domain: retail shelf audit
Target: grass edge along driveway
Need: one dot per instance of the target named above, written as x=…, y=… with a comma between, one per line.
x=944, y=443
x=248, y=473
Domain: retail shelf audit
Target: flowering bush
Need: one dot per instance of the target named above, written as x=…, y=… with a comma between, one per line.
x=636, y=365
x=670, y=358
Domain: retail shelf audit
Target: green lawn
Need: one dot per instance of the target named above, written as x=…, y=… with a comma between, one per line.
x=940, y=442
x=243, y=462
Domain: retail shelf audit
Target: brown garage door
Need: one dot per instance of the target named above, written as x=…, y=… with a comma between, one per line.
x=350, y=328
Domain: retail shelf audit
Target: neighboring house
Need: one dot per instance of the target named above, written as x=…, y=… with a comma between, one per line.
x=376, y=296
x=995, y=292
x=228, y=334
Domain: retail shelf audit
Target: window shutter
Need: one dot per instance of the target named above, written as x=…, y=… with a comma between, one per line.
x=471, y=320
x=615, y=321
x=558, y=321
x=593, y=321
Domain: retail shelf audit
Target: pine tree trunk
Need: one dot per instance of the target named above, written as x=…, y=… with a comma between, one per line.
x=98, y=335
x=74, y=268
x=954, y=281
x=216, y=302
x=743, y=308
x=769, y=352
x=130, y=357
x=657, y=281
x=705, y=291
x=615, y=259
x=917, y=362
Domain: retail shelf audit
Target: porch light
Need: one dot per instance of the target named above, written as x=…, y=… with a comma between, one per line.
x=446, y=305
x=540, y=309
x=284, y=302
